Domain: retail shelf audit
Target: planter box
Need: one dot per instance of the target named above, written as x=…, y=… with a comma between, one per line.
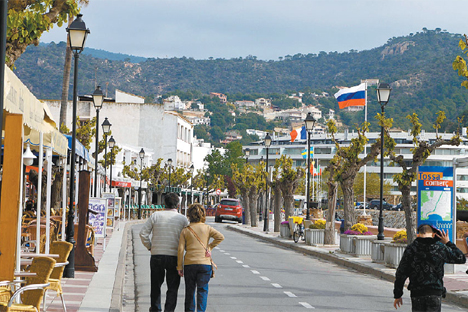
x=377, y=252
x=393, y=253
x=359, y=245
x=284, y=231
x=315, y=236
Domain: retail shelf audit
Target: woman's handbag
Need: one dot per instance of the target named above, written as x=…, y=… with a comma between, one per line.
x=207, y=252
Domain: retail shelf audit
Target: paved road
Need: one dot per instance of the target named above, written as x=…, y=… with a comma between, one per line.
x=256, y=276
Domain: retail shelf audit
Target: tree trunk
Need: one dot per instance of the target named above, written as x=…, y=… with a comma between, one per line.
x=277, y=201
x=253, y=197
x=56, y=195
x=348, y=206
x=288, y=206
x=66, y=82
x=330, y=225
x=406, y=204
x=245, y=198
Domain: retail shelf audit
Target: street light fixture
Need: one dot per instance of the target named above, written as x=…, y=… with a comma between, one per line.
x=142, y=156
x=383, y=96
x=28, y=156
x=265, y=217
x=111, y=144
x=106, y=125
x=77, y=33
x=247, y=154
x=169, y=163
x=309, y=124
x=98, y=99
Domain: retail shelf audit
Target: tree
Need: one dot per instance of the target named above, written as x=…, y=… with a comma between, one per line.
x=28, y=19
x=255, y=183
x=350, y=164
x=240, y=179
x=332, y=184
x=372, y=185
x=421, y=151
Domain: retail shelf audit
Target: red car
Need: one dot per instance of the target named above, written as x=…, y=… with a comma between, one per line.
x=229, y=209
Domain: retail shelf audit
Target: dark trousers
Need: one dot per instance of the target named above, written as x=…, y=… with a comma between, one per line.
x=196, y=278
x=164, y=266
x=432, y=303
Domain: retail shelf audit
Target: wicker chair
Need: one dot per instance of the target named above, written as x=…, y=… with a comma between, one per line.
x=31, y=294
x=62, y=249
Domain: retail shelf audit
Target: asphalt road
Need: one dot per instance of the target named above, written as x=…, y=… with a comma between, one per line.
x=257, y=276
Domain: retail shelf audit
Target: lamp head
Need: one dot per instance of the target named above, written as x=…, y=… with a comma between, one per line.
x=192, y=168
x=247, y=152
x=77, y=33
x=383, y=93
x=28, y=156
x=169, y=162
x=111, y=142
x=142, y=153
x=267, y=140
x=98, y=98
x=106, y=125
x=309, y=122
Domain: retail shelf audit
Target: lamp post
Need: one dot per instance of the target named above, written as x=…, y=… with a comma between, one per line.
x=106, y=125
x=192, y=169
x=77, y=33
x=265, y=217
x=142, y=156
x=169, y=163
x=247, y=154
x=111, y=144
x=383, y=95
x=309, y=124
x=98, y=99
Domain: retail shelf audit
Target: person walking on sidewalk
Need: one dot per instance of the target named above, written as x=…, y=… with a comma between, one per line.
x=196, y=265
x=423, y=263
x=164, y=227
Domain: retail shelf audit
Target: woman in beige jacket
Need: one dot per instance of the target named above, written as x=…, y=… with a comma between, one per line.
x=195, y=266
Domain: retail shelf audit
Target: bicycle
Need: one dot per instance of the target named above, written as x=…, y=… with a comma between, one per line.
x=298, y=229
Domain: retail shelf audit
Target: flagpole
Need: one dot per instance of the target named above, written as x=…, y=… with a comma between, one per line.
x=365, y=154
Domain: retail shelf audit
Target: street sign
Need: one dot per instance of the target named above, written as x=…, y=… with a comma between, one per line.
x=218, y=192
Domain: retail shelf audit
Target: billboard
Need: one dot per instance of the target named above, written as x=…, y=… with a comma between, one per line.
x=98, y=219
x=435, y=197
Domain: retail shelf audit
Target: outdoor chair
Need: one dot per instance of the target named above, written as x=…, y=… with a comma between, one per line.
x=31, y=294
x=62, y=249
x=89, y=237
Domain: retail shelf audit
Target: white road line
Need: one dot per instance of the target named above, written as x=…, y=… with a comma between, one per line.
x=246, y=266
x=216, y=247
x=264, y=278
x=306, y=305
x=233, y=258
x=239, y=261
x=255, y=272
x=227, y=254
x=290, y=294
x=276, y=285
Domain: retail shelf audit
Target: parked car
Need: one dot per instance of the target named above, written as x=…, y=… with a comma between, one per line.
x=375, y=204
x=397, y=207
x=229, y=209
x=360, y=205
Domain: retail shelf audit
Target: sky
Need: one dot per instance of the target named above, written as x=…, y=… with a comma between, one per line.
x=267, y=29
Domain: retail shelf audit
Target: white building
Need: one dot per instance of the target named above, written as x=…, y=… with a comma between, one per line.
x=244, y=104
x=262, y=102
x=173, y=103
x=195, y=120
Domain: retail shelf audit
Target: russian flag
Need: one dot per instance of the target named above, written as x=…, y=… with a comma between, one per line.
x=354, y=96
x=295, y=133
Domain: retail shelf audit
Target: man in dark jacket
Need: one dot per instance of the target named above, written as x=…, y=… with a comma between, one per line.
x=423, y=263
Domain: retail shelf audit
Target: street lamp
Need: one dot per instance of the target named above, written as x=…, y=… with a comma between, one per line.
x=309, y=125
x=247, y=154
x=383, y=95
x=77, y=33
x=142, y=156
x=265, y=217
x=111, y=146
x=192, y=169
x=98, y=99
x=106, y=125
x=169, y=163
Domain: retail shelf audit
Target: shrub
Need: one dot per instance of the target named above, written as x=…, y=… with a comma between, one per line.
x=319, y=224
x=359, y=227
x=400, y=237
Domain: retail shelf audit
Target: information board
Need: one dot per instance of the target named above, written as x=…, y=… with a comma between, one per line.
x=110, y=208
x=98, y=220
x=435, y=197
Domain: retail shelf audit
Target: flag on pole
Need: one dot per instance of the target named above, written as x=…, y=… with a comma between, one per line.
x=354, y=96
x=304, y=152
x=295, y=133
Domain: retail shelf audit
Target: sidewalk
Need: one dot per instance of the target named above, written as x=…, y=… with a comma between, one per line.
x=101, y=290
x=456, y=283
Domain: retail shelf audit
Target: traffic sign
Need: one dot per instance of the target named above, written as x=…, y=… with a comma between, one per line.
x=218, y=192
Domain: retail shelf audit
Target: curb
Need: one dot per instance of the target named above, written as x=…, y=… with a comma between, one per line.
x=451, y=296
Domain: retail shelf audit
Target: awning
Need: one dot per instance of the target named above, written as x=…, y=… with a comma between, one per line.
x=80, y=150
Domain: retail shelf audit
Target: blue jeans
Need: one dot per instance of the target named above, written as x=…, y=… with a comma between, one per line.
x=162, y=266
x=196, y=278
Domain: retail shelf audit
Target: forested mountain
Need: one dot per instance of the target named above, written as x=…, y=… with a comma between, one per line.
x=419, y=67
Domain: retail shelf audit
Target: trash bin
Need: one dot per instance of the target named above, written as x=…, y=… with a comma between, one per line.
x=342, y=226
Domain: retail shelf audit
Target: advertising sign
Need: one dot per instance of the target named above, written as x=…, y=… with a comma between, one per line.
x=117, y=206
x=435, y=197
x=98, y=220
x=110, y=197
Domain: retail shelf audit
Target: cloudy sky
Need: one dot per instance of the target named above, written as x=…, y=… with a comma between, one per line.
x=267, y=29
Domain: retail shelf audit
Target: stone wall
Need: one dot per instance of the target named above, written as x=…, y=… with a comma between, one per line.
x=392, y=219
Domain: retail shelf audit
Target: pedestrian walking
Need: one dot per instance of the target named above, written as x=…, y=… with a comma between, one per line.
x=164, y=227
x=423, y=263
x=196, y=265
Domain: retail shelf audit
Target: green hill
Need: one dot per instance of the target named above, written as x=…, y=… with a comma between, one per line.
x=419, y=67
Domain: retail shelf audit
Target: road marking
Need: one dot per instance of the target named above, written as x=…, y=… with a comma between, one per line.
x=306, y=305
x=276, y=285
x=264, y=278
x=233, y=258
x=290, y=294
x=227, y=254
x=246, y=266
x=239, y=261
x=255, y=272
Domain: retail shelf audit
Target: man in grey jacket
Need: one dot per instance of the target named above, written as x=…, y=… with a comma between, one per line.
x=164, y=227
